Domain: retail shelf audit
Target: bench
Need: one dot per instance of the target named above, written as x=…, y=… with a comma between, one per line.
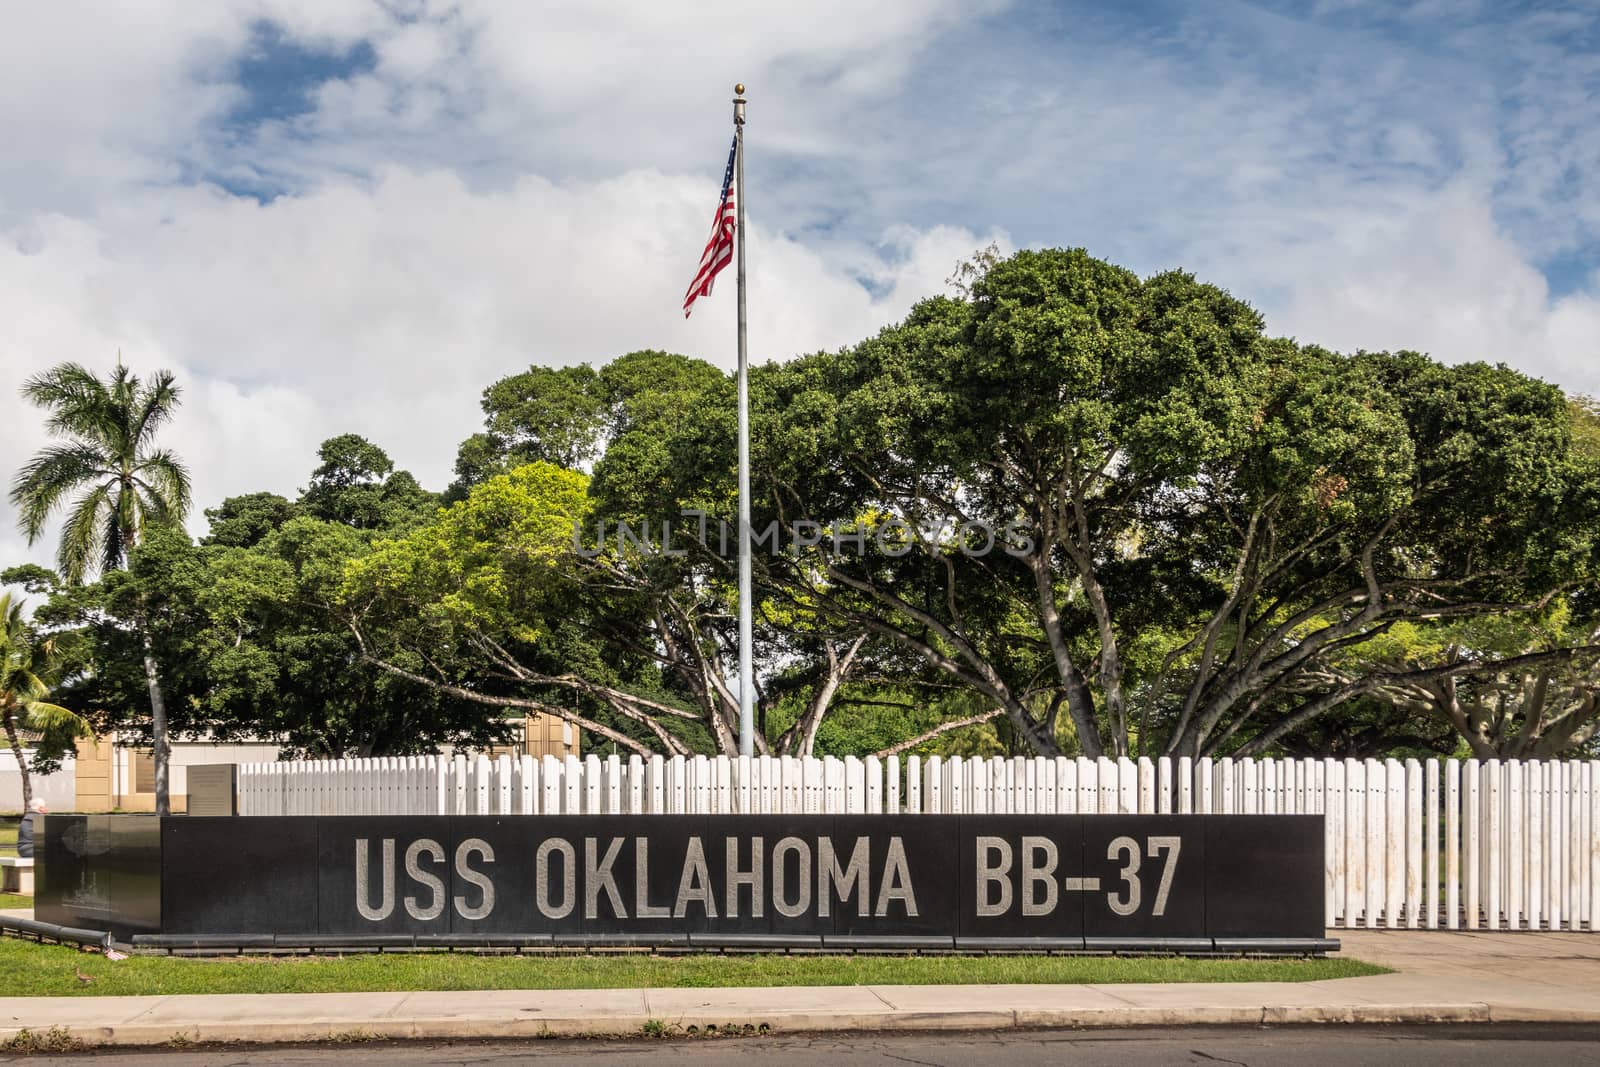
x=16, y=875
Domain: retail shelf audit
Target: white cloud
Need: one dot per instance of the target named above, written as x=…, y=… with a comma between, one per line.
x=477, y=200
x=490, y=89
x=1438, y=276
x=385, y=311
x=393, y=282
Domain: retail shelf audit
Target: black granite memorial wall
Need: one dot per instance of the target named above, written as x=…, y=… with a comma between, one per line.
x=1189, y=882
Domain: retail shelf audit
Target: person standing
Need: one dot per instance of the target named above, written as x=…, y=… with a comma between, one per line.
x=27, y=828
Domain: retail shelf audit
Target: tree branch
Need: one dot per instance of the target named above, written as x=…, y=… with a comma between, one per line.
x=942, y=728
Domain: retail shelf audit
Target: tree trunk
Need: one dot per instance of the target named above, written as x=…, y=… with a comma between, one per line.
x=838, y=669
x=22, y=764
x=158, y=723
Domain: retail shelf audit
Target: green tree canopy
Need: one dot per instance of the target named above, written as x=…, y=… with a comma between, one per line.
x=356, y=485
x=251, y=627
x=1205, y=513
x=1067, y=509
x=245, y=521
x=488, y=604
x=569, y=416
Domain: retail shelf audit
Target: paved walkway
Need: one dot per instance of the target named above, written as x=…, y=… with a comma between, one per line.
x=1558, y=959
x=1441, y=977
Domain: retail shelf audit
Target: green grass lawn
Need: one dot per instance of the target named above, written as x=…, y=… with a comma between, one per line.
x=15, y=900
x=48, y=970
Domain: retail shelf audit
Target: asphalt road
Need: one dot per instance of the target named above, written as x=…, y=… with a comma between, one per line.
x=1458, y=1046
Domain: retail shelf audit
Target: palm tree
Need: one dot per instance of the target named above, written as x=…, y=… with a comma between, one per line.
x=106, y=456
x=27, y=672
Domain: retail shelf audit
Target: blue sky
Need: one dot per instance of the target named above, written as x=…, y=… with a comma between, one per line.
x=346, y=215
x=278, y=77
x=1145, y=108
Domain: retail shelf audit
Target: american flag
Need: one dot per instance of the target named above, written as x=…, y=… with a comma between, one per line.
x=719, y=249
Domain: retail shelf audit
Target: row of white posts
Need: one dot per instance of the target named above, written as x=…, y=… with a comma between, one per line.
x=1442, y=844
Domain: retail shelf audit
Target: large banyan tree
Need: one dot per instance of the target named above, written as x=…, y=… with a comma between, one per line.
x=1111, y=511
x=1206, y=525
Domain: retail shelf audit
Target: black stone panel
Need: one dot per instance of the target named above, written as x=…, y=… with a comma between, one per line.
x=99, y=872
x=136, y=886
x=581, y=875
x=1265, y=878
x=792, y=853
x=1151, y=875
x=1016, y=876
x=395, y=901
x=666, y=859
x=917, y=898
x=61, y=865
x=626, y=880
x=745, y=908
x=256, y=876
x=500, y=850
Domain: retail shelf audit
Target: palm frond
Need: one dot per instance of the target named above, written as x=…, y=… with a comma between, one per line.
x=153, y=511
x=78, y=401
x=165, y=480
x=124, y=393
x=91, y=524
x=41, y=716
x=11, y=614
x=154, y=405
x=49, y=476
x=110, y=421
x=22, y=684
x=65, y=385
x=20, y=681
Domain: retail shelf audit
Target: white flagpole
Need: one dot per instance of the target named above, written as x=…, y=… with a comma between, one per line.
x=746, y=627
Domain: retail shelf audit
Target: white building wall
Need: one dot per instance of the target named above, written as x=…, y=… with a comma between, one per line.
x=186, y=754
x=58, y=790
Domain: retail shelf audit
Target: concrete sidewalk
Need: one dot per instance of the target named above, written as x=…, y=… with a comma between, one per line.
x=1443, y=978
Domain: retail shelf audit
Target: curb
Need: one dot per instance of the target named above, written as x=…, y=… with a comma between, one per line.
x=635, y=1024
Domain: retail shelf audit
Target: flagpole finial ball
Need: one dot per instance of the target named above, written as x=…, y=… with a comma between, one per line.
x=739, y=89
